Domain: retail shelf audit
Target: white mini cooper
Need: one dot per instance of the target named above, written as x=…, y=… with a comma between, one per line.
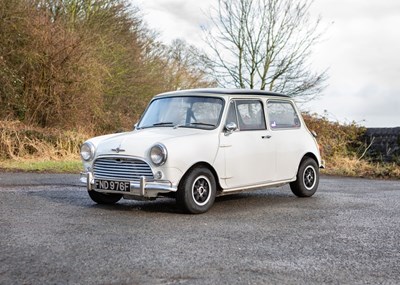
x=194, y=145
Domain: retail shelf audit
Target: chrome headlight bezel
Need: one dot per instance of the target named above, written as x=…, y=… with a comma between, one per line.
x=88, y=151
x=158, y=154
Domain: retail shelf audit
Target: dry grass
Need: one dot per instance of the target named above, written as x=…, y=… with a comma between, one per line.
x=21, y=142
x=35, y=165
x=352, y=166
x=27, y=148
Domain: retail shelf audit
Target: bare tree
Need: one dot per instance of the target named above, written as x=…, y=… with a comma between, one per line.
x=186, y=67
x=265, y=44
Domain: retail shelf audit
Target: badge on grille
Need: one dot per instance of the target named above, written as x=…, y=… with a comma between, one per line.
x=117, y=150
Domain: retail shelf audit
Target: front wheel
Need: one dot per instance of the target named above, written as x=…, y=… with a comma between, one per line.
x=106, y=199
x=197, y=190
x=307, y=180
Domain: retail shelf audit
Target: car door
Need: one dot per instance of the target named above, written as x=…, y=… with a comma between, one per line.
x=288, y=135
x=248, y=149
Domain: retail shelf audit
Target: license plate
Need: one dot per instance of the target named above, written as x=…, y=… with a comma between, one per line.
x=123, y=186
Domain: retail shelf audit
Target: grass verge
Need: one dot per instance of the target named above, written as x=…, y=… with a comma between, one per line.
x=353, y=167
x=49, y=166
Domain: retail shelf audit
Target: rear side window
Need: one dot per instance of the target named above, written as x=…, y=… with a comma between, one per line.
x=282, y=115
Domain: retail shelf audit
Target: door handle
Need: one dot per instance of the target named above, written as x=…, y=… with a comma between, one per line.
x=266, y=137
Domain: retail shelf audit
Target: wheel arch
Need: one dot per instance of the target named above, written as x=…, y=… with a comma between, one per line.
x=209, y=167
x=309, y=155
x=304, y=157
x=299, y=187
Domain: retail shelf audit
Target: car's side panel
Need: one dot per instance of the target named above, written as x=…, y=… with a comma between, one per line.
x=249, y=158
x=291, y=146
x=292, y=141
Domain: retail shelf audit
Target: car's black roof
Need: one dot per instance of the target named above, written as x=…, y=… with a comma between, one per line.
x=223, y=91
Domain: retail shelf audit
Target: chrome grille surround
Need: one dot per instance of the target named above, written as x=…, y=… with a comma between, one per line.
x=121, y=168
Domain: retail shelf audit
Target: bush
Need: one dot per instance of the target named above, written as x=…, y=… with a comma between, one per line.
x=94, y=64
x=336, y=139
x=343, y=148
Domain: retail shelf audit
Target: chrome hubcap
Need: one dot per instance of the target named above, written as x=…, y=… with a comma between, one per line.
x=201, y=190
x=309, y=177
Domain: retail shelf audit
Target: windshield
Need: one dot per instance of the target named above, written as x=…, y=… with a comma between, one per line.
x=189, y=111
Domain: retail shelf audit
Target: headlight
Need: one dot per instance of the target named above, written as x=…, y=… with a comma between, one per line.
x=87, y=151
x=158, y=154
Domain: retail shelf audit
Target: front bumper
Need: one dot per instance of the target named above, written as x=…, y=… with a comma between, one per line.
x=144, y=189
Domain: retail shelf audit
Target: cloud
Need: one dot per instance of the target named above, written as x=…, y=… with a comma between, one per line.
x=370, y=105
x=360, y=48
x=188, y=11
x=177, y=18
x=344, y=9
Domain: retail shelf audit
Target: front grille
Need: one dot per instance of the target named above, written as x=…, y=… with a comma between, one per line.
x=115, y=168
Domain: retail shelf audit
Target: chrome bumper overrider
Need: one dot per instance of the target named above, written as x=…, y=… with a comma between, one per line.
x=145, y=189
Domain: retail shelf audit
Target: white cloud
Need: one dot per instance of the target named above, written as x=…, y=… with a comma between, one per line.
x=176, y=18
x=361, y=49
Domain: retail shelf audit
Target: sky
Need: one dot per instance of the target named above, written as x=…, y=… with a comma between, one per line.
x=360, y=49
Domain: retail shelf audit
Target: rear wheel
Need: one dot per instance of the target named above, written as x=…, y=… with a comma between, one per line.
x=196, y=192
x=105, y=199
x=307, y=178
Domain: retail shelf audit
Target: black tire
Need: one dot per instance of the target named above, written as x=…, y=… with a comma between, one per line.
x=196, y=192
x=307, y=178
x=104, y=199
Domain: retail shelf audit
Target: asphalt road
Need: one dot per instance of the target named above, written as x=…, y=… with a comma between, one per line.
x=52, y=233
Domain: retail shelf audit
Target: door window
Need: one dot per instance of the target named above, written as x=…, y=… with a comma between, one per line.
x=247, y=114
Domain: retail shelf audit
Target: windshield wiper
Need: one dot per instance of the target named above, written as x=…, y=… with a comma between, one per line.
x=194, y=123
x=162, y=124
x=202, y=124
x=157, y=125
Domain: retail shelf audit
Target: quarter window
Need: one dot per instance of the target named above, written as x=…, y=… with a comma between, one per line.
x=282, y=115
x=232, y=117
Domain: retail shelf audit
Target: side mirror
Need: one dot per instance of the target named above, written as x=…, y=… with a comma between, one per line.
x=230, y=128
x=135, y=126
